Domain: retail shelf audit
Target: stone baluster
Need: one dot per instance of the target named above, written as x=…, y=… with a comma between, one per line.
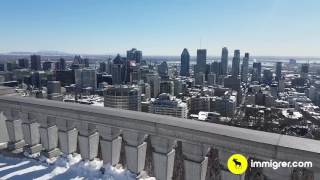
x=110, y=143
x=68, y=135
x=88, y=140
x=163, y=157
x=14, y=127
x=195, y=162
x=30, y=129
x=135, y=150
x=49, y=136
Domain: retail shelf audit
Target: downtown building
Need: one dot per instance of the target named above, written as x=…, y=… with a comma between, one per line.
x=35, y=62
x=256, y=72
x=201, y=61
x=224, y=61
x=85, y=79
x=236, y=63
x=134, y=55
x=123, y=97
x=245, y=68
x=225, y=105
x=168, y=105
x=185, y=63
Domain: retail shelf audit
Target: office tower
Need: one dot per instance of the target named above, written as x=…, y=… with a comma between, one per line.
x=211, y=79
x=86, y=78
x=216, y=67
x=178, y=86
x=163, y=70
x=199, y=103
x=185, y=63
x=234, y=83
x=145, y=90
x=86, y=62
x=118, y=70
x=167, y=86
x=23, y=63
x=11, y=66
x=66, y=77
x=3, y=67
x=201, y=60
x=225, y=105
x=304, y=70
x=224, y=61
x=109, y=66
x=135, y=55
x=267, y=76
x=37, y=79
x=47, y=66
x=62, y=66
x=154, y=81
x=133, y=74
x=123, y=97
x=236, y=63
x=256, y=72
x=102, y=67
x=245, y=68
x=79, y=62
x=168, y=105
x=35, y=62
x=199, y=78
x=278, y=70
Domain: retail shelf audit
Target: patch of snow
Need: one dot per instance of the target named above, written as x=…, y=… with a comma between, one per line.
x=65, y=167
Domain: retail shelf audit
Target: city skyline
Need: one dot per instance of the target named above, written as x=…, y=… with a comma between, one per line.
x=264, y=28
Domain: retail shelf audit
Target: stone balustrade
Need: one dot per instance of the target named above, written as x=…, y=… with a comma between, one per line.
x=167, y=147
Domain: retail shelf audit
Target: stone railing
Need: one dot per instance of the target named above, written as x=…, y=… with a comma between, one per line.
x=166, y=147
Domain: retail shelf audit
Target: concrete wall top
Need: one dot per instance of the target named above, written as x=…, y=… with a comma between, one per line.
x=261, y=144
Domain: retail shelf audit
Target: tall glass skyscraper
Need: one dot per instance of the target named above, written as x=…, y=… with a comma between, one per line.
x=224, y=61
x=236, y=63
x=278, y=71
x=185, y=63
x=245, y=68
x=201, y=60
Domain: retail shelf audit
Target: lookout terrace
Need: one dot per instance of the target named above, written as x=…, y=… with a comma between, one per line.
x=166, y=147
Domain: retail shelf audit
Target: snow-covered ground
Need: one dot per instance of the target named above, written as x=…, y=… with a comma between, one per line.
x=70, y=167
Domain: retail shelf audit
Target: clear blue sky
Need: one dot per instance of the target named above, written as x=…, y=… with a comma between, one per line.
x=161, y=27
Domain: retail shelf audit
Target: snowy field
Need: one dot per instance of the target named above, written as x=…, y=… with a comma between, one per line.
x=70, y=167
